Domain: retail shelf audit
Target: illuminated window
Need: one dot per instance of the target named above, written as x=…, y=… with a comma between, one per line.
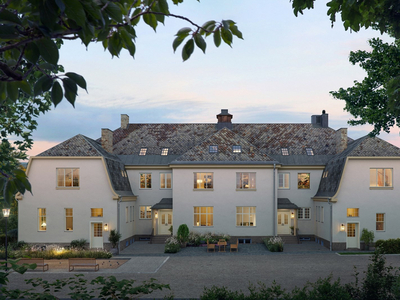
x=164, y=151
x=203, y=216
x=145, y=181
x=380, y=177
x=213, y=149
x=351, y=230
x=203, y=181
x=284, y=179
x=237, y=149
x=143, y=151
x=68, y=178
x=96, y=212
x=285, y=151
x=303, y=180
x=42, y=219
x=380, y=222
x=352, y=212
x=309, y=151
x=246, y=180
x=98, y=229
x=165, y=180
x=145, y=212
x=245, y=216
x=69, y=219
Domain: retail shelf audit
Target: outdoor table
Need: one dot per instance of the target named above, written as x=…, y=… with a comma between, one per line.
x=221, y=246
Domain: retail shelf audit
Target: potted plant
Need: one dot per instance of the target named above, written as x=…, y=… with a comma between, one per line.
x=367, y=236
x=292, y=230
x=114, y=238
x=183, y=234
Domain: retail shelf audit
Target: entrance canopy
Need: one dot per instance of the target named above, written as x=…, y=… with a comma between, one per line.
x=165, y=203
x=284, y=203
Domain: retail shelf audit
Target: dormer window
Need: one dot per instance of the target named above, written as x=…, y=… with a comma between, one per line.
x=164, y=151
x=143, y=151
x=309, y=151
x=213, y=149
x=237, y=149
x=285, y=151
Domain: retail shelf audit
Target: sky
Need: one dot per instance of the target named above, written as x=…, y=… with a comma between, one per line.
x=282, y=72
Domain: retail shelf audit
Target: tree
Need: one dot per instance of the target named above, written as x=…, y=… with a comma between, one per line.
x=374, y=100
x=31, y=32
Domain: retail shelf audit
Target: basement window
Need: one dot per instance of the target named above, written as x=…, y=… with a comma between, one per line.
x=143, y=151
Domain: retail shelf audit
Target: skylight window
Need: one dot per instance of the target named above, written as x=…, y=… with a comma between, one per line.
x=213, y=149
x=310, y=151
x=285, y=151
x=143, y=151
x=164, y=151
x=237, y=149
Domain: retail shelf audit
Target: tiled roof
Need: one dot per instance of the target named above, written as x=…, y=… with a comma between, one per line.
x=165, y=203
x=365, y=146
x=285, y=203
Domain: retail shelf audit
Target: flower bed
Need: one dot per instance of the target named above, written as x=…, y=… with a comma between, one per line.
x=274, y=244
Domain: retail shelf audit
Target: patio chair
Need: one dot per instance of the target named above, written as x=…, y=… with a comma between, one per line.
x=235, y=246
x=210, y=246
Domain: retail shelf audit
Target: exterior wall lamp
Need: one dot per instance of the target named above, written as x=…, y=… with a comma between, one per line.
x=292, y=215
x=105, y=227
x=156, y=214
x=342, y=227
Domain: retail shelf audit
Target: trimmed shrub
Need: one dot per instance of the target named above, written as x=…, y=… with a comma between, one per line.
x=274, y=244
x=367, y=236
x=78, y=244
x=172, y=245
x=114, y=237
x=390, y=246
x=183, y=233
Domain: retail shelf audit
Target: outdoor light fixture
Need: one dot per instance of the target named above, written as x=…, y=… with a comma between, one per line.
x=156, y=214
x=105, y=227
x=342, y=227
x=6, y=214
x=292, y=215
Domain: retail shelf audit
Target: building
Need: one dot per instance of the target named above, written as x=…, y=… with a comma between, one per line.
x=247, y=180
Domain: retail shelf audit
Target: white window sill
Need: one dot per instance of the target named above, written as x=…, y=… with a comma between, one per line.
x=203, y=190
x=144, y=189
x=203, y=226
x=246, y=190
x=381, y=188
x=145, y=219
x=67, y=188
x=246, y=226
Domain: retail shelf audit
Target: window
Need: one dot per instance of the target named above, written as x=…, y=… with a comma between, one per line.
x=213, y=149
x=96, y=212
x=127, y=211
x=380, y=177
x=69, y=219
x=245, y=216
x=352, y=212
x=143, y=151
x=303, y=213
x=145, y=212
x=164, y=151
x=325, y=174
x=165, y=180
x=237, y=149
x=303, y=180
x=42, y=219
x=380, y=222
x=284, y=180
x=246, y=180
x=351, y=230
x=285, y=151
x=68, y=178
x=98, y=229
x=145, y=180
x=309, y=151
x=203, y=216
x=203, y=181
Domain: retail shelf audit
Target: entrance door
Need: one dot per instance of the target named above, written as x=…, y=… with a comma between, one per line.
x=96, y=235
x=165, y=222
x=283, y=223
x=352, y=235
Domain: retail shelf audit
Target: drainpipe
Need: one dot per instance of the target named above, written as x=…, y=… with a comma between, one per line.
x=118, y=217
x=330, y=223
x=275, y=209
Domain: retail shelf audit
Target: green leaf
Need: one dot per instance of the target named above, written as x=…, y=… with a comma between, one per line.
x=8, y=32
x=25, y=86
x=7, y=16
x=42, y=85
x=12, y=90
x=207, y=26
x=150, y=20
x=115, y=44
x=56, y=93
x=178, y=40
x=200, y=42
x=114, y=11
x=236, y=31
x=32, y=53
x=163, y=4
x=3, y=90
x=129, y=44
x=217, y=38
x=183, y=32
x=70, y=90
x=188, y=49
x=48, y=50
x=136, y=19
x=78, y=79
x=48, y=14
x=225, y=24
x=60, y=5
x=74, y=11
x=226, y=36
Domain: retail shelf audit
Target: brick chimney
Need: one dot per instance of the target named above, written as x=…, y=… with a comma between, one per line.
x=107, y=139
x=341, y=140
x=224, y=119
x=124, y=121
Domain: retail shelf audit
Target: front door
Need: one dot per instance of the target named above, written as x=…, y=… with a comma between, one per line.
x=283, y=223
x=96, y=235
x=352, y=239
x=165, y=222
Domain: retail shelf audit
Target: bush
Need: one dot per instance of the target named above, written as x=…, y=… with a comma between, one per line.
x=183, y=233
x=274, y=244
x=78, y=244
x=172, y=245
x=390, y=246
x=367, y=236
x=114, y=237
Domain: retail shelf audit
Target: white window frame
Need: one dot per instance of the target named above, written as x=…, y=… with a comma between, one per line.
x=42, y=219
x=285, y=151
x=317, y=213
x=69, y=216
x=74, y=185
x=302, y=213
x=147, y=213
x=132, y=211
x=93, y=211
x=309, y=151
x=213, y=149
x=147, y=178
x=375, y=171
x=165, y=181
x=380, y=222
x=201, y=178
x=209, y=216
x=322, y=214
x=252, y=182
x=127, y=211
x=250, y=215
x=284, y=180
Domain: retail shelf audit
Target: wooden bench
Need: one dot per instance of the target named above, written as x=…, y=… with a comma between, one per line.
x=82, y=262
x=38, y=261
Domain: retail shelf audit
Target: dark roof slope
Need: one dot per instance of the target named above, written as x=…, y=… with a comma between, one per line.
x=365, y=146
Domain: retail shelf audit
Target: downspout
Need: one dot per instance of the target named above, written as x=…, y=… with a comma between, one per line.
x=330, y=223
x=118, y=217
x=275, y=209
